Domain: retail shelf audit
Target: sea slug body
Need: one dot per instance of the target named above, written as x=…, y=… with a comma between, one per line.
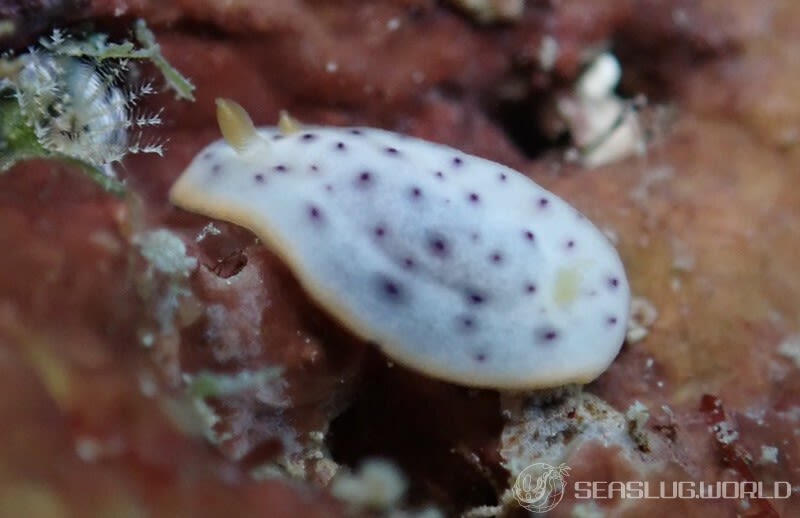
x=456, y=266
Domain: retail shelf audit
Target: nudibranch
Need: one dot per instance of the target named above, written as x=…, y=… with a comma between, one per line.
x=455, y=266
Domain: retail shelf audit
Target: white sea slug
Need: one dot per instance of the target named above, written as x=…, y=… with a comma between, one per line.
x=455, y=266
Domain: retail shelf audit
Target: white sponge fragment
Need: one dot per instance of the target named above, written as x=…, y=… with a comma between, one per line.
x=604, y=127
x=378, y=485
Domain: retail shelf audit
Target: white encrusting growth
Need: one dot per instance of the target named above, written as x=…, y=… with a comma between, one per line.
x=604, y=127
x=453, y=265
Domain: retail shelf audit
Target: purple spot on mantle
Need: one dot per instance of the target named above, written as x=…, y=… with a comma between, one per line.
x=391, y=289
x=438, y=246
x=314, y=213
x=546, y=335
x=475, y=298
x=364, y=179
x=467, y=323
